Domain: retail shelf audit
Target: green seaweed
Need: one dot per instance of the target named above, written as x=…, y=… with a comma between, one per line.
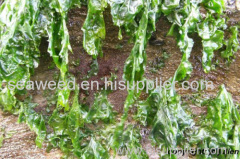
x=94, y=28
x=212, y=38
x=232, y=44
x=24, y=23
x=220, y=128
x=34, y=120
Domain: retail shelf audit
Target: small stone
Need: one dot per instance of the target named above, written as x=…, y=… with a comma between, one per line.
x=238, y=5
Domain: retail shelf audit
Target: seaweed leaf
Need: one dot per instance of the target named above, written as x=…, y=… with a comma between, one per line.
x=214, y=6
x=232, y=44
x=67, y=133
x=212, y=38
x=94, y=28
x=220, y=127
x=59, y=43
x=34, y=120
x=94, y=150
x=169, y=121
x=101, y=109
x=19, y=41
x=135, y=64
x=8, y=100
x=128, y=143
x=185, y=19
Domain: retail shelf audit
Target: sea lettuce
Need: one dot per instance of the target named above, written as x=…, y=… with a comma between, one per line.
x=19, y=41
x=169, y=121
x=71, y=131
x=184, y=19
x=214, y=6
x=232, y=44
x=59, y=44
x=210, y=30
x=135, y=64
x=94, y=150
x=101, y=109
x=128, y=143
x=66, y=128
x=24, y=23
x=8, y=100
x=124, y=15
x=34, y=120
x=220, y=127
x=94, y=28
